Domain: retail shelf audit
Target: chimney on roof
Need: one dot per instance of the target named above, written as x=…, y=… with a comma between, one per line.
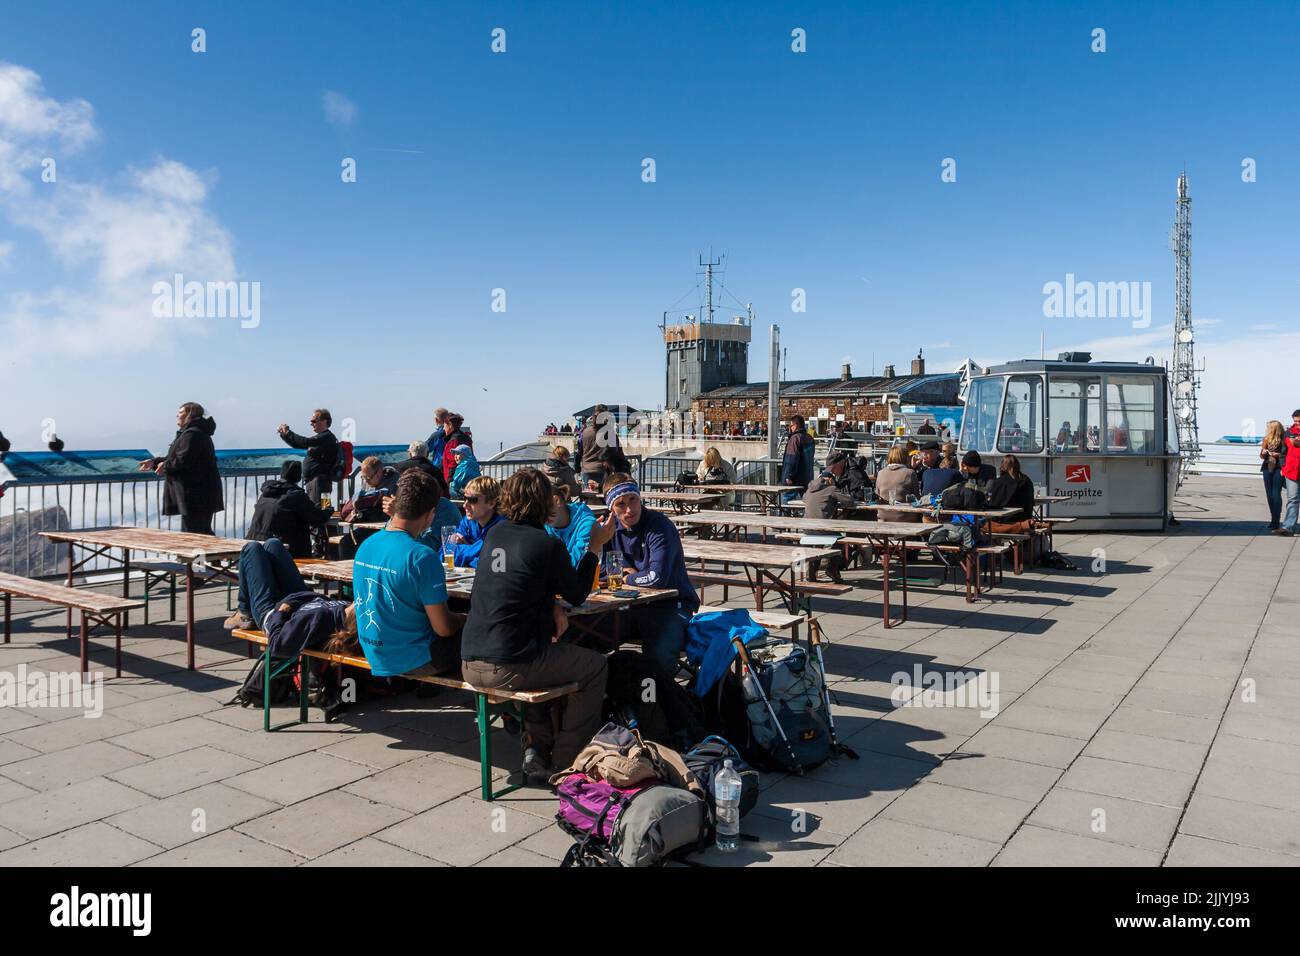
x=918, y=364
x=889, y=371
x=846, y=372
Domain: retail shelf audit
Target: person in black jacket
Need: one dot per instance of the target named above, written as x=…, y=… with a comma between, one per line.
x=1011, y=489
x=192, y=483
x=512, y=636
x=322, y=453
x=284, y=511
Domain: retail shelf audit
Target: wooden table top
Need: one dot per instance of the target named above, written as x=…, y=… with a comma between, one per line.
x=460, y=583
x=744, y=552
x=849, y=526
x=995, y=514
x=683, y=497
x=181, y=544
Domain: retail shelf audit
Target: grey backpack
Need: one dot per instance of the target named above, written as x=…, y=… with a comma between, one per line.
x=652, y=823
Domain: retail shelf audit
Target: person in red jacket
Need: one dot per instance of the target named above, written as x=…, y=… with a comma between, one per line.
x=455, y=436
x=1291, y=473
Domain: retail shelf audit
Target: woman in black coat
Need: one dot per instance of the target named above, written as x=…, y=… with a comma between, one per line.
x=192, y=487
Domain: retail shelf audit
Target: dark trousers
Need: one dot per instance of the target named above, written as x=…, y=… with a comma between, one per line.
x=557, y=664
x=1273, y=485
x=267, y=575
x=661, y=632
x=444, y=658
x=197, y=522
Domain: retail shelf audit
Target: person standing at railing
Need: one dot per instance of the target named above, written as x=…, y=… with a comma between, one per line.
x=319, y=469
x=191, y=481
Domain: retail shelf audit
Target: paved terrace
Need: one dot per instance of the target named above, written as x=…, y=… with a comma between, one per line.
x=1122, y=737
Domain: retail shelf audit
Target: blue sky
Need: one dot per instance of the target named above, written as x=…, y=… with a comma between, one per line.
x=522, y=171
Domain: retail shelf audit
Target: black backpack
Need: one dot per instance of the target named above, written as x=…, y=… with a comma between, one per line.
x=284, y=688
x=687, y=478
x=964, y=497
x=671, y=719
x=705, y=760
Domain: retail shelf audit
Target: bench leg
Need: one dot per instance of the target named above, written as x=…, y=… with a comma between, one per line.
x=172, y=577
x=70, y=563
x=484, y=719
x=117, y=642
x=484, y=713
x=126, y=582
x=8, y=598
x=85, y=645
x=268, y=674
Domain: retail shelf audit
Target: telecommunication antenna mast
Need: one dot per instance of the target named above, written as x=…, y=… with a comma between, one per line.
x=708, y=285
x=1185, y=374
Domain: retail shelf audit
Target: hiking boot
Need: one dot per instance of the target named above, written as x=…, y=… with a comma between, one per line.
x=1285, y=532
x=237, y=621
x=537, y=768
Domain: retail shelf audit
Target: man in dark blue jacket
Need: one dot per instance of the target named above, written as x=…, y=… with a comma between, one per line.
x=652, y=558
x=797, y=462
x=322, y=453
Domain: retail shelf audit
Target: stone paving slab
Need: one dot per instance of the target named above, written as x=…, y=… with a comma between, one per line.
x=1119, y=691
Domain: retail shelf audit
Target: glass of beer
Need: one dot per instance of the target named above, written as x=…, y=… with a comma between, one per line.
x=327, y=502
x=448, y=547
x=613, y=570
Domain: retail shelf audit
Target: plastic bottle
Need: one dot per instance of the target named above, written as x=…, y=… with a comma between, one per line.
x=726, y=801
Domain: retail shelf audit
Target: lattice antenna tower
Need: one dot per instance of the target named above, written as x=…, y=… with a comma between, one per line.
x=1185, y=375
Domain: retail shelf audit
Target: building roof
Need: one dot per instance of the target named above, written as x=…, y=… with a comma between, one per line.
x=1055, y=365
x=832, y=387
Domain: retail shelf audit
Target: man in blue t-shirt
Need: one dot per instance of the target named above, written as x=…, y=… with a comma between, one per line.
x=400, y=587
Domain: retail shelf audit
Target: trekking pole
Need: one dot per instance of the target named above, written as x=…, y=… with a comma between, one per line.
x=762, y=695
x=815, y=639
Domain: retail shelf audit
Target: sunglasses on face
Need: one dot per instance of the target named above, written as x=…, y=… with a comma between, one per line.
x=472, y=500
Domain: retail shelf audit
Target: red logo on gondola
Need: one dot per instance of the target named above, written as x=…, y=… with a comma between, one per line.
x=1078, y=474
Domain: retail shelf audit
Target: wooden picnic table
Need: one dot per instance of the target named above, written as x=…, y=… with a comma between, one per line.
x=460, y=584
x=885, y=536
x=767, y=567
x=685, y=502
x=214, y=554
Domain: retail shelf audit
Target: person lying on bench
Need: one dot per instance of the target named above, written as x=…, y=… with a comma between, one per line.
x=512, y=636
x=266, y=575
x=403, y=623
x=652, y=557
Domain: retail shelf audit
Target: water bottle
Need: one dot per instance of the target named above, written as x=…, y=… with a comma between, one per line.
x=726, y=801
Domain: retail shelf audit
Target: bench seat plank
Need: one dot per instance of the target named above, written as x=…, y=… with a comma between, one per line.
x=64, y=596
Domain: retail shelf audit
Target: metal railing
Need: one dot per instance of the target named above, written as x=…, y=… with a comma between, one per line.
x=28, y=509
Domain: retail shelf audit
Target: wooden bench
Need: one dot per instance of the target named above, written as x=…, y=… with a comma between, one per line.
x=97, y=610
x=489, y=704
x=161, y=572
x=801, y=589
x=970, y=563
x=772, y=620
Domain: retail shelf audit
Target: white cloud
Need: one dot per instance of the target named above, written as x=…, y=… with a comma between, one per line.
x=6, y=248
x=114, y=240
x=1243, y=380
x=339, y=110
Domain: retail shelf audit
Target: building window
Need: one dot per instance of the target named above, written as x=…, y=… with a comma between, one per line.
x=1074, y=413
x=1131, y=414
x=1022, y=415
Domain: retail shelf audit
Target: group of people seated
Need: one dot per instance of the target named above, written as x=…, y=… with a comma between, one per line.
x=565, y=429
x=534, y=550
